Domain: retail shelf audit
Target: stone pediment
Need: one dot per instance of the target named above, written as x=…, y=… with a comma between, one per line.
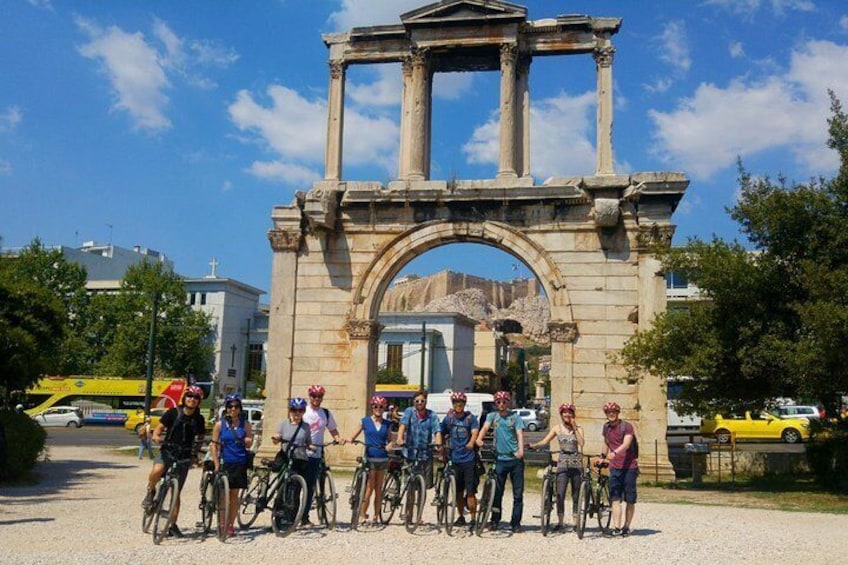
x=468, y=12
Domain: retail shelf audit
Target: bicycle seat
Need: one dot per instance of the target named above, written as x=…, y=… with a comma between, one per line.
x=266, y=462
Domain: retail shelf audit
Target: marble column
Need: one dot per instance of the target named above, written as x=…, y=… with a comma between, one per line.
x=363, y=336
x=405, y=118
x=508, y=116
x=603, y=61
x=419, y=115
x=335, y=122
x=563, y=335
x=523, y=115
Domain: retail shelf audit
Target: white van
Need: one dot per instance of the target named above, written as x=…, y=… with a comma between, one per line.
x=478, y=402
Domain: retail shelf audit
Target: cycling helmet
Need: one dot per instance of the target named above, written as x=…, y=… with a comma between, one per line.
x=502, y=395
x=459, y=397
x=317, y=390
x=612, y=407
x=298, y=403
x=567, y=406
x=194, y=390
x=234, y=397
x=379, y=400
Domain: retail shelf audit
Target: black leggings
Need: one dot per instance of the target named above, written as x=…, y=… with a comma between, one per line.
x=564, y=477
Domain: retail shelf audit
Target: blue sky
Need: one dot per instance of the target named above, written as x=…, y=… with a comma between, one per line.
x=179, y=125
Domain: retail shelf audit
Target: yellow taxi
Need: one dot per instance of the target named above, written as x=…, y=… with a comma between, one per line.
x=755, y=425
x=135, y=421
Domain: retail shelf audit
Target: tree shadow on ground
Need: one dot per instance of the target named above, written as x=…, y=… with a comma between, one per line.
x=55, y=477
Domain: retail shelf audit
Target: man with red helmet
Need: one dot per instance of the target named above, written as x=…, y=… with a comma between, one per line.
x=509, y=447
x=621, y=450
x=318, y=419
x=183, y=430
x=460, y=427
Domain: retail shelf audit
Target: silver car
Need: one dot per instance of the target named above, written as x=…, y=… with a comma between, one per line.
x=65, y=416
x=792, y=411
x=532, y=420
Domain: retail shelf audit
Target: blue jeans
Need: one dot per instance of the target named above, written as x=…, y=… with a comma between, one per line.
x=145, y=444
x=515, y=470
x=310, y=475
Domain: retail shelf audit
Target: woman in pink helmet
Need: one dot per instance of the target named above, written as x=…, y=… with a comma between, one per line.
x=376, y=429
x=569, y=468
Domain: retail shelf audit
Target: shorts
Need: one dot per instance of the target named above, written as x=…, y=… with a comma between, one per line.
x=182, y=470
x=466, y=478
x=378, y=464
x=236, y=474
x=623, y=482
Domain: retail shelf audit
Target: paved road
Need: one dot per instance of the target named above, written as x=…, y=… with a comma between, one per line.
x=107, y=436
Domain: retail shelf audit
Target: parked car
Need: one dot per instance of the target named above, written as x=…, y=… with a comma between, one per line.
x=66, y=416
x=756, y=425
x=793, y=411
x=532, y=420
x=135, y=421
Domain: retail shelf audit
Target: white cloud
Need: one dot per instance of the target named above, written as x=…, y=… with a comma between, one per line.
x=736, y=49
x=43, y=4
x=10, y=118
x=560, y=132
x=294, y=128
x=843, y=23
x=658, y=86
x=750, y=7
x=139, y=72
x=226, y=186
x=354, y=13
x=5, y=167
x=675, y=46
x=786, y=111
x=386, y=90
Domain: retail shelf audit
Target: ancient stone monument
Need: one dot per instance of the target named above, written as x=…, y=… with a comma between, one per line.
x=587, y=239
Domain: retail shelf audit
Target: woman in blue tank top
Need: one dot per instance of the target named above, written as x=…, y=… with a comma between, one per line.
x=232, y=437
x=376, y=429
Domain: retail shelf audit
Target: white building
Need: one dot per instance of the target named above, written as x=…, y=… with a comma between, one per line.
x=448, y=343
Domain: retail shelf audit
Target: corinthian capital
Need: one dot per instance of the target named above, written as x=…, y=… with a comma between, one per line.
x=283, y=240
x=509, y=53
x=655, y=235
x=565, y=332
x=603, y=56
x=363, y=329
x=420, y=56
x=337, y=68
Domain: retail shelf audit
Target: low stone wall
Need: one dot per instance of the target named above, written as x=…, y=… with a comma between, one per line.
x=747, y=462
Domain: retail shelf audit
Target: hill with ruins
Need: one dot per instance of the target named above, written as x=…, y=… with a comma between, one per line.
x=497, y=303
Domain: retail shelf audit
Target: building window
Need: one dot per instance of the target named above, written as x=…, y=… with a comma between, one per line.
x=192, y=298
x=394, y=356
x=254, y=359
x=202, y=298
x=675, y=280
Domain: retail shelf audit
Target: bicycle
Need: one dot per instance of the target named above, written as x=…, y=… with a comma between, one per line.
x=214, y=500
x=487, y=498
x=548, y=494
x=325, y=493
x=594, y=496
x=404, y=488
x=445, y=495
x=161, y=514
x=359, y=486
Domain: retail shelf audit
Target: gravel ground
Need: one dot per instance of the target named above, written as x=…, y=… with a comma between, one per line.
x=87, y=510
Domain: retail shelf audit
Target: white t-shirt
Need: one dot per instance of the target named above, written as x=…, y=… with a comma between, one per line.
x=318, y=422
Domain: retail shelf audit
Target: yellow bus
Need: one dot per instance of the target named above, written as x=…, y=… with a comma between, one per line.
x=102, y=399
x=398, y=395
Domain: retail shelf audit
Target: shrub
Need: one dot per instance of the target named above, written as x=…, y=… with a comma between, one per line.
x=24, y=442
x=827, y=454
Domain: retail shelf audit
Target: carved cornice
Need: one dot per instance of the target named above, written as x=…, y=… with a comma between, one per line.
x=406, y=66
x=284, y=240
x=563, y=332
x=655, y=235
x=420, y=56
x=337, y=68
x=363, y=329
x=509, y=53
x=604, y=55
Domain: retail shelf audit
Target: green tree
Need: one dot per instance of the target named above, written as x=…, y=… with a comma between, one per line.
x=386, y=376
x=183, y=344
x=774, y=322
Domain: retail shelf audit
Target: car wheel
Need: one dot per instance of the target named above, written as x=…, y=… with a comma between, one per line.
x=791, y=435
x=73, y=424
x=723, y=436
x=532, y=427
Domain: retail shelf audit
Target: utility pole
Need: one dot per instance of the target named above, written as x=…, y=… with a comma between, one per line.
x=151, y=351
x=423, y=349
x=243, y=387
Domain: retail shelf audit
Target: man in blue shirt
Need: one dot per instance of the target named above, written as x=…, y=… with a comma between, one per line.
x=509, y=447
x=462, y=428
x=423, y=426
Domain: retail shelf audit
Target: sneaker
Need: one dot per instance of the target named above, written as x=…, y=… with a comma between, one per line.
x=306, y=521
x=147, y=503
x=460, y=521
x=517, y=529
x=492, y=527
x=231, y=531
x=625, y=531
x=616, y=532
x=175, y=532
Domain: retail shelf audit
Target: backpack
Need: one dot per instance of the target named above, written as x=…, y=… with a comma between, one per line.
x=453, y=422
x=634, y=446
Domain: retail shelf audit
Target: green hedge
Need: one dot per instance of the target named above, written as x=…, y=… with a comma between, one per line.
x=827, y=454
x=24, y=442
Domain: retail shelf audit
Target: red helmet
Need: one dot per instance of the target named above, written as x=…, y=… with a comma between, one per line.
x=459, y=397
x=317, y=390
x=502, y=395
x=567, y=407
x=612, y=407
x=195, y=391
x=379, y=401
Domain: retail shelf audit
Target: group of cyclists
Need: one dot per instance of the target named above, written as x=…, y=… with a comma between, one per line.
x=421, y=436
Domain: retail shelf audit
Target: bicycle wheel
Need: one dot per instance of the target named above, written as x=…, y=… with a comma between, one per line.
x=449, y=502
x=357, y=496
x=391, y=497
x=147, y=517
x=484, y=505
x=250, y=502
x=604, y=505
x=546, y=504
x=289, y=505
x=222, y=506
x=583, y=503
x=326, y=502
x=439, y=497
x=207, y=504
x=414, y=503
x=165, y=507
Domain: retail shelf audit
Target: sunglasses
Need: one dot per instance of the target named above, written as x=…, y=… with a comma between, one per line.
x=231, y=406
x=194, y=396
x=501, y=401
x=376, y=406
x=316, y=396
x=298, y=409
x=420, y=402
